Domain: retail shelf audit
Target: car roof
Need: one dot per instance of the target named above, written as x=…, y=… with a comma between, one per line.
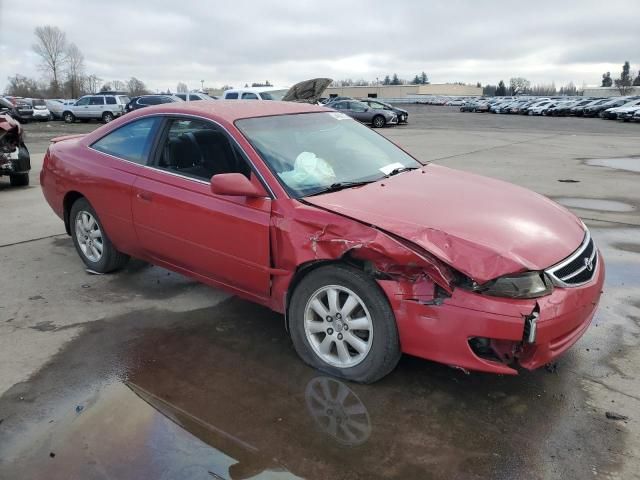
x=232, y=110
x=256, y=89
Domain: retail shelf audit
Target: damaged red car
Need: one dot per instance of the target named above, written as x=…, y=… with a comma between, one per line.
x=366, y=251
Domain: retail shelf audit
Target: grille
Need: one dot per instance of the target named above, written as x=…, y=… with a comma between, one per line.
x=578, y=268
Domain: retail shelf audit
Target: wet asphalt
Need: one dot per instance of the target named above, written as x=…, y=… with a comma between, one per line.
x=156, y=376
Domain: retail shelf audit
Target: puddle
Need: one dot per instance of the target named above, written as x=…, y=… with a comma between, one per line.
x=595, y=204
x=631, y=164
x=220, y=393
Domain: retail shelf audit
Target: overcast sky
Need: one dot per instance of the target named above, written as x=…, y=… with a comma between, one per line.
x=164, y=42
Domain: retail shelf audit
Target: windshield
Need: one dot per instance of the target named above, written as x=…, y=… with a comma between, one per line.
x=273, y=94
x=311, y=152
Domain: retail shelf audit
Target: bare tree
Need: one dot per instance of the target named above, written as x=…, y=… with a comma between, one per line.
x=119, y=86
x=182, y=87
x=51, y=47
x=519, y=85
x=75, y=70
x=22, y=86
x=136, y=87
x=92, y=83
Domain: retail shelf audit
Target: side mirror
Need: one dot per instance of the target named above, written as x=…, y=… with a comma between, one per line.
x=236, y=185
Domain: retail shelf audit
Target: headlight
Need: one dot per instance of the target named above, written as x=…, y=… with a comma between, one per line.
x=526, y=285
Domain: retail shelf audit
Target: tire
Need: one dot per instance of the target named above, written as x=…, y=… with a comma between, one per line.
x=107, y=117
x=68, y=117
x=378, y=343
x=109, y=259
x=378, y=121
x=19, y=180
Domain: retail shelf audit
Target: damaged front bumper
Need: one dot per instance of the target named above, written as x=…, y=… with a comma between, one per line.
x=491, y=334
x=16, y=162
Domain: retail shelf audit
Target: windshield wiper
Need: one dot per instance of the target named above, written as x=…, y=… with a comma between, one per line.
x=398, y=170
x=335, y=187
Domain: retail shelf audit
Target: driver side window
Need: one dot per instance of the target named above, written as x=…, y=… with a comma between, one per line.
x=196, y=149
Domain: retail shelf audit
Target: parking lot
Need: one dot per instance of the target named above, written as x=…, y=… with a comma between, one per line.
x=147, y=374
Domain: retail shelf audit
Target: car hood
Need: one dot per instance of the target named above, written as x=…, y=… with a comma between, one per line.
x=483, y=227
x=307, y=91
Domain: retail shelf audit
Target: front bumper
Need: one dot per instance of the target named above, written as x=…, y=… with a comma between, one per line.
x=442, y=332
x=20, y=162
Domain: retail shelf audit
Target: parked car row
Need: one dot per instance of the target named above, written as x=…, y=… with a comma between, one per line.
x=611, y=108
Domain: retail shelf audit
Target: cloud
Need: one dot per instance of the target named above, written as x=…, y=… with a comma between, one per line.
x=163, y=42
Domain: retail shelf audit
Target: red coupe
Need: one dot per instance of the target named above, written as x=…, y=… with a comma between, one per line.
x=367, y=251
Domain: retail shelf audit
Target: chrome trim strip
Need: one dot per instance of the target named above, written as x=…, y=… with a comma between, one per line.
x=188, y=115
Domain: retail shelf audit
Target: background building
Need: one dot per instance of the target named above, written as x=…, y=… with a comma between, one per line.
x=404, y=92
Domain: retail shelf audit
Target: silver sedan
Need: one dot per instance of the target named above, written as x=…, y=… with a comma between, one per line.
x=377, y=117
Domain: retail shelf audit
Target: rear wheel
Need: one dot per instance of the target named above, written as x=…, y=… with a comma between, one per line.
x=341, y=323
x=19, y=180
x=91, y=241
x=68, y=117
x=107, y=117
x=379, y=121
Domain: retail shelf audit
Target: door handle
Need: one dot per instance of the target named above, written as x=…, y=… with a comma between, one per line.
x=146, y=196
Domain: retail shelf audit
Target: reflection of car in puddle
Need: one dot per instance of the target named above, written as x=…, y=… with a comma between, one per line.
x=338, y=411
x=334, y=407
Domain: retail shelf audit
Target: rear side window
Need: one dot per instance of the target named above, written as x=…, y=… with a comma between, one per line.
x=96, y=101
x=131, y=141
x=150, y=101
x=111, y=100
x=231, y=96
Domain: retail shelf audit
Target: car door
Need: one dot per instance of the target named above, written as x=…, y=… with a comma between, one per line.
x=117, y=158
x=179, y=220
x=360, y=111
x=96, y=106
x=81, y=108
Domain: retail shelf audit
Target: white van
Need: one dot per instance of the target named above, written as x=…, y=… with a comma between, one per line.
x=255, y=93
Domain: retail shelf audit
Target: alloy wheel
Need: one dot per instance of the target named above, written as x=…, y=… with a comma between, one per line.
x=338, y=326
x=89, y=236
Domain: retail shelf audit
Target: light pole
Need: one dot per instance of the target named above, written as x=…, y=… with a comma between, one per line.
x=202, y=85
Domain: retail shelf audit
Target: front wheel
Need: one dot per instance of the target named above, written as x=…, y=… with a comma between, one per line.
x=341, y=323
x=68, y=117
x=378, y=121
x=91, y=241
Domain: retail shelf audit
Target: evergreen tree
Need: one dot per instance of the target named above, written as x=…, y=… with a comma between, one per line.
x=624, y=82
